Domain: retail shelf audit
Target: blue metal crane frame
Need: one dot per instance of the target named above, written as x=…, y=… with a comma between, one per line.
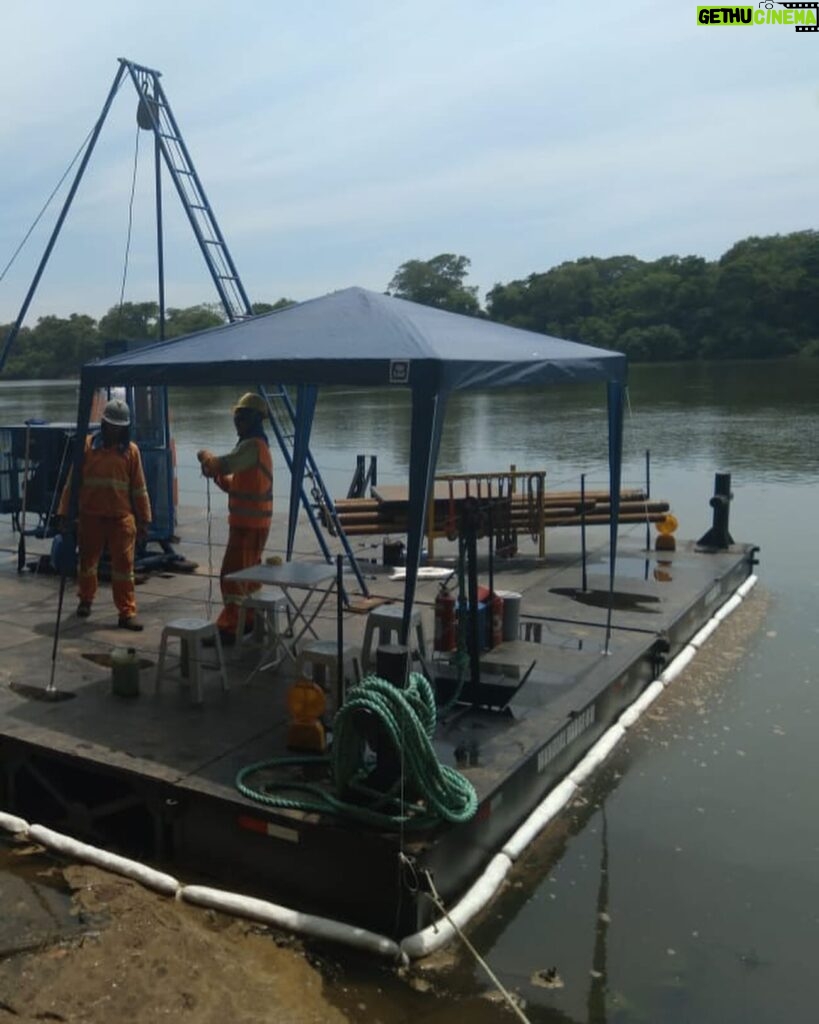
x=154, y=113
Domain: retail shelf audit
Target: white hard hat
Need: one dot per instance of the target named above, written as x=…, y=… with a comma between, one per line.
x=117, y=413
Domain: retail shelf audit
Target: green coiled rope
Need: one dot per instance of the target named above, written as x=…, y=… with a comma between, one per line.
x=426, y=793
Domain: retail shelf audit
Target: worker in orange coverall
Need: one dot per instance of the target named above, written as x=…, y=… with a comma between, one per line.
x=114, y=510
x=246, y=474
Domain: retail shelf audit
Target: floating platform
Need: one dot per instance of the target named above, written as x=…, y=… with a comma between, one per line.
x=154, y=777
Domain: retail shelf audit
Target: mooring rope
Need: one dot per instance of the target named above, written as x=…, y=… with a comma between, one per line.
x=209, y=600
x=439, y=903
x=426, y=791
x=128, y=235
x=46, y=204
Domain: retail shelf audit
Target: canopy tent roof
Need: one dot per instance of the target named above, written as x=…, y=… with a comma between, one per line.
x=359, y=337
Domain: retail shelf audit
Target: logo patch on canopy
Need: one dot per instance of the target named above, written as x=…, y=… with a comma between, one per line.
x=399, y=371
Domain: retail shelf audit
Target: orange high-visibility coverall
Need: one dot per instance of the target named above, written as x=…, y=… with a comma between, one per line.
x=246, y=474
x=113, y=499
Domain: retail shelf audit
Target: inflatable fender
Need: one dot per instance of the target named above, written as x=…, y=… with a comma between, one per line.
x=141, y=873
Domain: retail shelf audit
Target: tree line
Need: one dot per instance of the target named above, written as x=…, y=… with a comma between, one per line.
x=759, y=300
x=58, y=346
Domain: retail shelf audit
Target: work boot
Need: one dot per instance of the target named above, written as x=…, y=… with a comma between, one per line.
x=83, y=609
x=130, y=622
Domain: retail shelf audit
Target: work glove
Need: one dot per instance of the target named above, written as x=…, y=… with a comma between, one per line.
x=141, y=533
x=207, y=461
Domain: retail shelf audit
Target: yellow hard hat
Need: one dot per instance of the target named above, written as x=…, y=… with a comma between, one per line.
x=253, y=402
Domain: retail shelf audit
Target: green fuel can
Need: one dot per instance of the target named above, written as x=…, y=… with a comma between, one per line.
x=124, y=672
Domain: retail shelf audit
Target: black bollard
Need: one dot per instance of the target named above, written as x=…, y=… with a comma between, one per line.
x=718, y=537
x=392, y=664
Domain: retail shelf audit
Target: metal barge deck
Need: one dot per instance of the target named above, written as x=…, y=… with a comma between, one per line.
x=154, y=776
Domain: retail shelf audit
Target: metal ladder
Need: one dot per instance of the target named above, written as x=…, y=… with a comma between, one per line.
x=154, y=113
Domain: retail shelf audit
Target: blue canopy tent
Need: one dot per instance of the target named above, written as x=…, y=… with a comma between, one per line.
x=363, y=338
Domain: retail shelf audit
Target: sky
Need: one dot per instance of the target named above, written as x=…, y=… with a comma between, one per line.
x=337, y=139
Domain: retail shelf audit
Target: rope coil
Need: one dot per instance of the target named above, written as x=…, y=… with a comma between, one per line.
x=426, y=793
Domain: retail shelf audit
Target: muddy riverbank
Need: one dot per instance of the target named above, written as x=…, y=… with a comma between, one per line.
x=92, y=947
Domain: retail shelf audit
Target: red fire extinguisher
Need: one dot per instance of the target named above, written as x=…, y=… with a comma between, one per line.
x=445, y=633
x=495, y=619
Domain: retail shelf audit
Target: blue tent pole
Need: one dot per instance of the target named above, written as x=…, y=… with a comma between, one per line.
x=583, y=531
x=428, y=408
x=305, y=409
x=615, y=410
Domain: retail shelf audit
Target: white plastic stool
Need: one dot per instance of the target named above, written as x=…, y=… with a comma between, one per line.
x=192, y=634
x=387, y=620
x=324, y=654
x=266, y=605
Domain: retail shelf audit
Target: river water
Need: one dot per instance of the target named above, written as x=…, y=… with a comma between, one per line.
x=684, y=886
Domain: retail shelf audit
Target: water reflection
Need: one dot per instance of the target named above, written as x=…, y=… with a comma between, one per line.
x=570, y=981
x=755, y=416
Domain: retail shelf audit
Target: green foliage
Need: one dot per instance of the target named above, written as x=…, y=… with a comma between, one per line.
x=760, y=300
x=266, y=307
x=194, y=318
x=58, y=347
x=21, y=354
x=768, y=294
x=132, y=321
x=437, y=282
